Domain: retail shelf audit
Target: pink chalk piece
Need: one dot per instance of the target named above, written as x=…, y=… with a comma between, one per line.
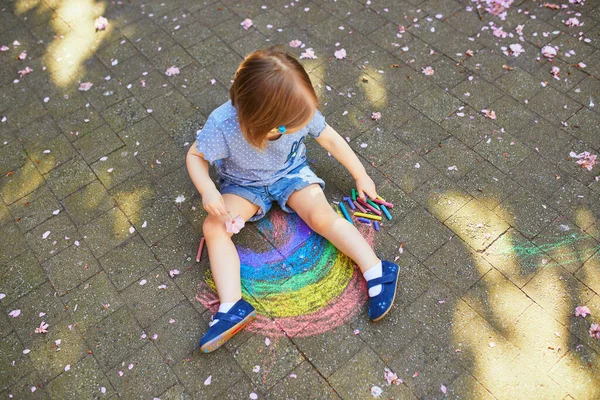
x=383, y=202
x=361, y=208
x=370, y=207
x=200, y=248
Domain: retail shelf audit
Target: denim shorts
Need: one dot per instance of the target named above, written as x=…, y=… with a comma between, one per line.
x=280, y=191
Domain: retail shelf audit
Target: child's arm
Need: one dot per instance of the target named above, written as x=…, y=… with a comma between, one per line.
x=197, y=167
x=331, y=141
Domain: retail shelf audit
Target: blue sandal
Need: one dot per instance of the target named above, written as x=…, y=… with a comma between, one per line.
x=382, y=303
x=230, y=323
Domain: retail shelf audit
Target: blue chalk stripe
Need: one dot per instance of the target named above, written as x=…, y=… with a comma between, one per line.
x=364, y=220
x=346, y=215
x=376, y=225
x=350, y=203
x=386, y=212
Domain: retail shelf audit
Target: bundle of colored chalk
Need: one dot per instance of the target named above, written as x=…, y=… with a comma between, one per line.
x=367, y=210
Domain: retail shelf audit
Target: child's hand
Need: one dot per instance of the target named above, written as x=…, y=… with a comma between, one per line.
x=214, y=204
x=366, y=186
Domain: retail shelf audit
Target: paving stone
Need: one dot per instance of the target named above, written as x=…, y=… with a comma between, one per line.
x=50, y=359
x=576, y=371
x=92, y=301
x=13, y=157
x=124, y=114
x=486, y=63
x=143, y=135
x=52, y=236
x=553, y=105
x=34, y=208
x=177, y=184
x=70, y=267
x=149, y=376
x=83, y=120
x=281, y=355
x=580, y=327
x=542, y=339
x=88, y=203
x=83, y=380
x=19, y=276
x=526, y=213
x=22, y=388
x=114, y=338
x=465, y=385
x=588, y=273
x=152, y=296
x=330, y=350
x=433, y=363
x=458, y=265
x=303, y=383
x=18, y=242
x=178, y=339
x=538, y=175
x=553, y=289
x=69, y=177
x=453, y=158
x=448, y=73
x=476, y=225
x=477, y=93
x=583, y=124
x=576, y=202
x=98, y=143
x=117, y=167
x=162, y=159
x=107, y=231
x=40, y=304
x=21, y=182
x=469, y=126
x=436, y=104
x=12, y=351
x=498, y=300
x=568, y=245
x=481, y=343
x=421, y=234
x=585, y=90
x=488, y=185
x=511, y=115
x=128, y=262
x=441, y=197
x=519, y=84
x=355, y=379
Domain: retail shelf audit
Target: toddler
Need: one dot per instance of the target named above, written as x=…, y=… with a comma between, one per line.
x=256, y=141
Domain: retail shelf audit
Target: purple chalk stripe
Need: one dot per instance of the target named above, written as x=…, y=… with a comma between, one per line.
x=361, y=208
x=370, y=207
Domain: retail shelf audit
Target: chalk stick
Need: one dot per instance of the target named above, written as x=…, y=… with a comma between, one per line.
x=370, y=207
x=353, y=194
x=383, y=203
x=364, y=220
x=361, y=208
x=350, y=203
x=386, y=212
x=200, y=248
x=373, y=204
x=376, y=225
x=375, y=217
x=346, y=215
x=380, y=198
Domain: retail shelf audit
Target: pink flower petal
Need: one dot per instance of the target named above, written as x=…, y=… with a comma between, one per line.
x=428, y=70
x=247, y=23
x=309, y=53
x=85, y=86
x=582, y=311
x=340, y=54
x=443, y=389
x=295, y=43
x=376, y=116
x=235, y=225
x=208, y=380
x=172, y=71
x=595, y=331
x=15, y=313
x=100, y=23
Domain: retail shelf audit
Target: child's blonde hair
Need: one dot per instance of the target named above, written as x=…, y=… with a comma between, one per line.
x=271, y=89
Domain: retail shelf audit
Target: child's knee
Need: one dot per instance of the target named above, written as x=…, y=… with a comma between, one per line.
x=321, y=221
x=213, y=227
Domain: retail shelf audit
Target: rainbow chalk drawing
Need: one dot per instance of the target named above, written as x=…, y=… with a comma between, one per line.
x=302, y=287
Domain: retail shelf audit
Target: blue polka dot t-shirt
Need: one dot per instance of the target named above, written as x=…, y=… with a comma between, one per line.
x=237, y=161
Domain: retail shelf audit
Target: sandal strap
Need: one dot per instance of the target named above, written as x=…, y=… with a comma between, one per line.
x=381, y=280
x=228, y=317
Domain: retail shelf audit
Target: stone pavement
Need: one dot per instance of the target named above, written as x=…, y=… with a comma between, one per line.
x=496, y=226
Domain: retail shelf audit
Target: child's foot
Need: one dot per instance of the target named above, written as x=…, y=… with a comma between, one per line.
x=228, y=324
x=380, y=304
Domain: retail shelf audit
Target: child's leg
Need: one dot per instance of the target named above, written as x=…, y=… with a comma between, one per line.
x=223, y=256
x=312, y=206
